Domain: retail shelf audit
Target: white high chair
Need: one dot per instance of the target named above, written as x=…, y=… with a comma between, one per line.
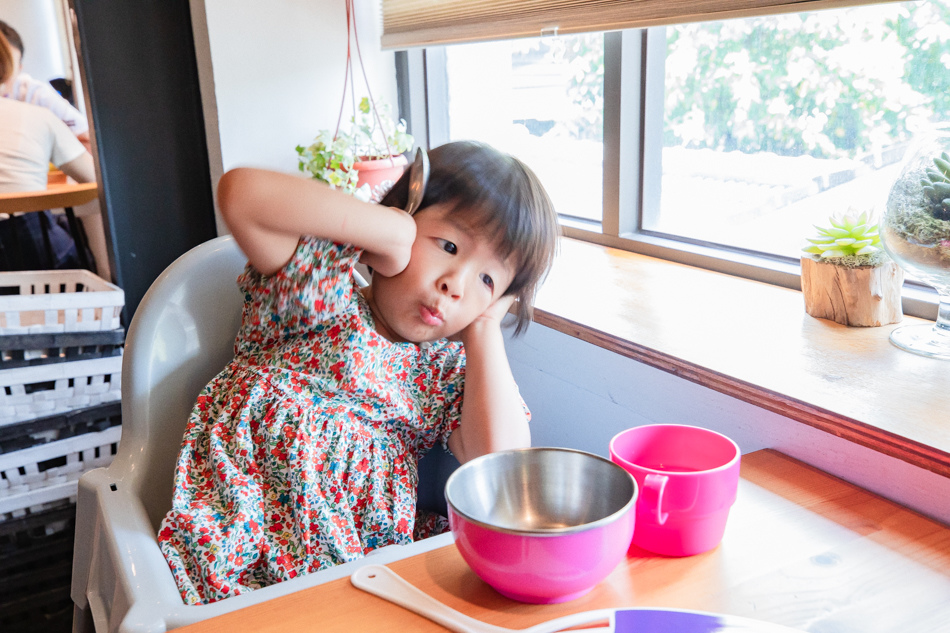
x=182, y=335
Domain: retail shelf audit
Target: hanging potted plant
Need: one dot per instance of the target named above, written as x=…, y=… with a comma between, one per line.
x=362, y=157
x=847, y=276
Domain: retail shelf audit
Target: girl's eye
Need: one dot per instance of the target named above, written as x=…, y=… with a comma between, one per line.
x=448, y=247
x=488, y=281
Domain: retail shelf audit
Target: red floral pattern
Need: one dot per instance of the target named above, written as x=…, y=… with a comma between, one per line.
x=302, y=453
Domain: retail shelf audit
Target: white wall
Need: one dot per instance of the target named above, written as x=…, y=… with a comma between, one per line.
x=272, y=74
x=581, y=396
x=37, y=23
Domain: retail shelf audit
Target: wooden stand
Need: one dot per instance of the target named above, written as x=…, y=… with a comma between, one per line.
x=864, y=296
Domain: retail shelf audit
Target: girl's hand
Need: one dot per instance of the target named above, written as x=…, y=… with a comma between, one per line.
x=490, y=319
x=493, y=417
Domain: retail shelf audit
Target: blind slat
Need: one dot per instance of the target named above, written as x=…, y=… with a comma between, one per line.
x=411, y=23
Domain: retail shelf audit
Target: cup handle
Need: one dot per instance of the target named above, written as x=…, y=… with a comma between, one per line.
x=653, y=487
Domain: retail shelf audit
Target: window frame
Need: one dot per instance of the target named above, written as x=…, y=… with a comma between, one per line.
x=634, y=74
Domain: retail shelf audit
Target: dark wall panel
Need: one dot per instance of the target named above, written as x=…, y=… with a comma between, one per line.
x=139, y=61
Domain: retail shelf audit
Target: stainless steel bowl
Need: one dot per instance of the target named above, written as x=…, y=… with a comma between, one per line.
x=541, y=491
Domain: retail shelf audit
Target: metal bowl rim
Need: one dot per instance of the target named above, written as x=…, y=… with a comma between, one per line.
x=575, y=529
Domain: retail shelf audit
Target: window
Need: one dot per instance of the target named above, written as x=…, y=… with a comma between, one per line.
x=717, y=144
x=540, y=100
x=772, y=123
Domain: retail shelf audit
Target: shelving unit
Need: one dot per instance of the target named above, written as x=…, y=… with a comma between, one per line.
x=60, y=415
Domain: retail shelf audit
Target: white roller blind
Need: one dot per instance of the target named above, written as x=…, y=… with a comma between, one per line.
x=410, y=23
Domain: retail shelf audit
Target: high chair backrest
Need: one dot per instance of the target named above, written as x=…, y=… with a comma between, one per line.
x=181, y=336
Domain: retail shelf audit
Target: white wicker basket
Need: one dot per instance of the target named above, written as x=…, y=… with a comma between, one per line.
x=32, y=392
x=58, y=301
x=30, y=485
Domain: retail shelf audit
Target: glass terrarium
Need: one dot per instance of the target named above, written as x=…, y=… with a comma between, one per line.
x=915, y=231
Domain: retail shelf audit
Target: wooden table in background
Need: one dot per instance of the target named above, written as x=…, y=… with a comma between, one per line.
x=801, y=549
x=56, y=196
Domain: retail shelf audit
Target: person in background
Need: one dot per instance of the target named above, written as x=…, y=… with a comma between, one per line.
x=29, y=90
x=31, y=138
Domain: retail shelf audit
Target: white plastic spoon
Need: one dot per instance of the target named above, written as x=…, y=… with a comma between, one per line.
x=387, y=584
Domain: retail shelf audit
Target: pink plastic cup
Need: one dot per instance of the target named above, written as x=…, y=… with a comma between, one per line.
x=688, y=477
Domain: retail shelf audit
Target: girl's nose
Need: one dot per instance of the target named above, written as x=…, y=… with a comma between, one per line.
x=451, y=285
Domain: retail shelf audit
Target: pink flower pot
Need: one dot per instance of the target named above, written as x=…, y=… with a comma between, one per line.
x=375, y=171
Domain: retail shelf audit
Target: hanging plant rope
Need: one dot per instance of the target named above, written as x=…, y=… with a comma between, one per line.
x=352, y=38
x=343, y=155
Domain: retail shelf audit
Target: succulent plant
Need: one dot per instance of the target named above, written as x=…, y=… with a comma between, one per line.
x=849, y=236
x=937, y=187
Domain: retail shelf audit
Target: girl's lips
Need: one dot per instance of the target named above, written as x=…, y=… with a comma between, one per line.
x=430, y=316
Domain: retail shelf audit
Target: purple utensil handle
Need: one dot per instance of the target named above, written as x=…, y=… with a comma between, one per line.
x=674, y=621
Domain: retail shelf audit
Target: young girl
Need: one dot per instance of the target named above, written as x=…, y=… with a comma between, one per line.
x=302, y=453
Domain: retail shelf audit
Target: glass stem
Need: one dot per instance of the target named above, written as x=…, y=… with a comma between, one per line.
x=943, y=315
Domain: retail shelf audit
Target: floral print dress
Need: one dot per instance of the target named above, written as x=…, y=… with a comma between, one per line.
x=302, y=453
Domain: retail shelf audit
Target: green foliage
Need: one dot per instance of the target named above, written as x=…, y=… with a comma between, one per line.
x=850, y=240
x=830, y=84
x=331, y=159
x=586, y=87
x=936, y=186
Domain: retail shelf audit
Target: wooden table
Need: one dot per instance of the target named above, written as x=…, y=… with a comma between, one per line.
x=55, y=196
x=801, y=549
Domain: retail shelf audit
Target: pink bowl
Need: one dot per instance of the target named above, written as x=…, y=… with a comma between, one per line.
x=542, y=525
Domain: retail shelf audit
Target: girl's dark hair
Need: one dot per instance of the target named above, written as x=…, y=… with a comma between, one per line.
x=6, y=60
x=500, y=197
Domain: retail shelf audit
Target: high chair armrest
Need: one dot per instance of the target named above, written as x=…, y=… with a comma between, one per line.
x=121, y=579
x=117, y=558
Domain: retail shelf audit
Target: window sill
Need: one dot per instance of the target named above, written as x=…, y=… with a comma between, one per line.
x=754, y=341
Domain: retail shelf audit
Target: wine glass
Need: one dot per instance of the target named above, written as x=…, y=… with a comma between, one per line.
x=915, y=232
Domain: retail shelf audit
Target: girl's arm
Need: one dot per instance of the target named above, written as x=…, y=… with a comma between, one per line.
x=493, y=418
x=268, y=212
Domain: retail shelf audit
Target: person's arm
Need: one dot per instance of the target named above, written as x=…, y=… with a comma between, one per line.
x=493, y=418
x=83, y=138
x=42, y=94
x=80, y=169
x=268, y=212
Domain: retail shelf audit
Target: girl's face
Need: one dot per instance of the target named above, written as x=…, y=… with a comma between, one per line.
x=453, y=276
